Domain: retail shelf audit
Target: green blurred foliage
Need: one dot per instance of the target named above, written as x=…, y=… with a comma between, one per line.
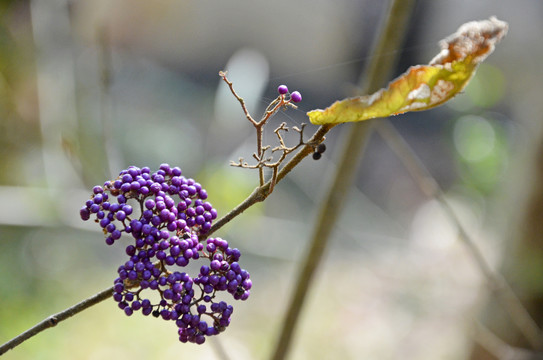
x=487, y=88
x=19, y=127
x=482, y=151
x=481, y=141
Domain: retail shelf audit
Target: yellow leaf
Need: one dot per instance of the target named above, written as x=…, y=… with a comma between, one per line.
x=423, y=87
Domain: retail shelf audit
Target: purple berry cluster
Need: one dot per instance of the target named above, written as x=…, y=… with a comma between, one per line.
x=295, y=96
x=167, y=217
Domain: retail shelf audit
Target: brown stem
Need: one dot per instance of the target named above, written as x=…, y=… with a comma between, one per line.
x=222, y=74
x=272, y=108
x=53, y=320
x=260, y=152
x=261, y=193
x=376, y=75
x=505, y=295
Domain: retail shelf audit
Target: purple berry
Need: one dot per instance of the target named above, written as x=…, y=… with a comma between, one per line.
x=120, y=215
x=282, y=89
x=136, y=305
x=84, y=213
x=296, y=97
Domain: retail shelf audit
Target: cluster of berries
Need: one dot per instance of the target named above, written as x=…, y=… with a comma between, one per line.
x=319, y=149
x=167, y=217
x=295, y=96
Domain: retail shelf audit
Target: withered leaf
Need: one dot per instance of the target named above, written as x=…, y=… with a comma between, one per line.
x=423, y=87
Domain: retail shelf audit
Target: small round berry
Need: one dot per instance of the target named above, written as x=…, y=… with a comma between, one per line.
x=134, y=185
x=127, y=178
x=215, y=265
x=296, y=97
x=104, y=222
x=84, y=213
x=176, y=171
x=316, y=156
x=116, y=234
x=98, y=198
x=120, y=215
x=321, y=148
x=282, y=89
x=136, y=305
x=127, y=209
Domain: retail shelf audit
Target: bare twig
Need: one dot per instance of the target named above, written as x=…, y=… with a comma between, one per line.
x=375, y=76
x=222, y=74
x=53, y=320
x=505, y=295
x=280, y=102
x=261, y=193
x=257, y=124
x=273, y=180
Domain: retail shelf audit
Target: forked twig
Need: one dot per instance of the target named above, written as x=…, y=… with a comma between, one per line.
x=280, y=102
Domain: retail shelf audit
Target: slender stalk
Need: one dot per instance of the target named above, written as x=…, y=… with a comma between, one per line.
x=53, y=320
x=272, y=108
x=260, y=152
x=505, y=294
x=325, y=220
x=222, y=74
x=375, y=76
x=261, y=193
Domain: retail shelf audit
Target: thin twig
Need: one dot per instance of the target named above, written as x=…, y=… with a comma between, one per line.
x=376, y=75
x=261, y=193
x=505, y=294
x=257, y=124
x=222, y=74
x=273, y=180
x=53, y=320
x=271, y=109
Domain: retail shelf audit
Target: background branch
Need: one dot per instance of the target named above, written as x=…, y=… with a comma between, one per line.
x=375, y=76
x=260, y=193
x=53, y=320
x=505, y=295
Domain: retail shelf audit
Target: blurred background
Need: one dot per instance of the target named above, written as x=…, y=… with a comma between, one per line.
x=88, y=88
